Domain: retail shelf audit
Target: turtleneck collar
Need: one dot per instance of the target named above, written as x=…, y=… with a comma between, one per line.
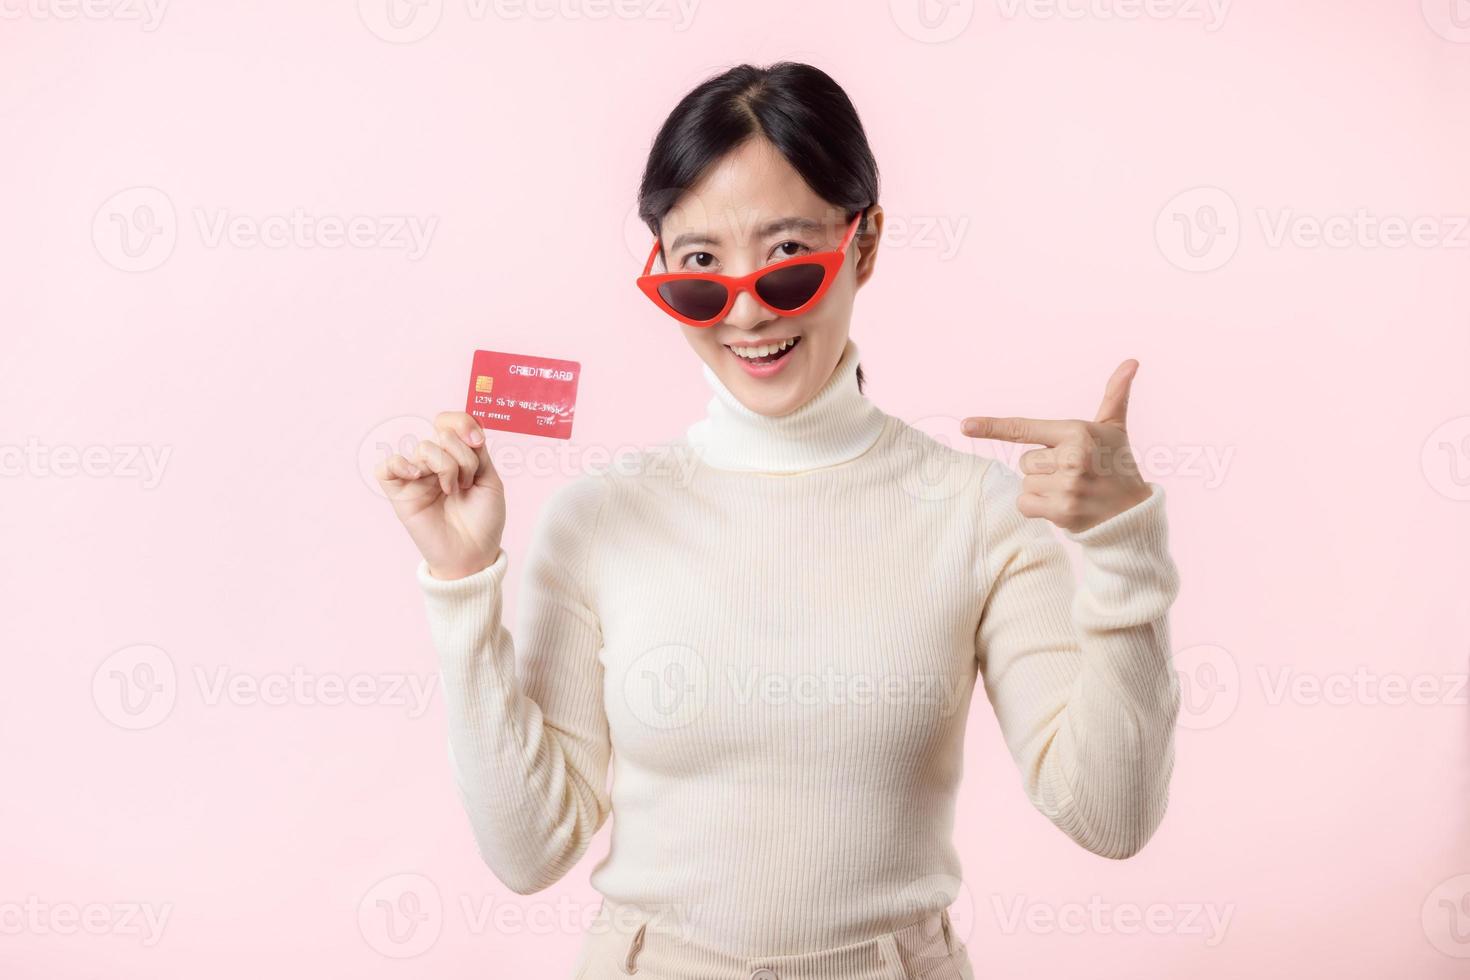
x=835, y=425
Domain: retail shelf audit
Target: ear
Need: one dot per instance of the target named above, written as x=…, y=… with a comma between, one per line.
x=865, y=242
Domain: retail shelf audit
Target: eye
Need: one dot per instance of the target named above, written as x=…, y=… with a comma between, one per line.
x=698, y=260
x=789, y=250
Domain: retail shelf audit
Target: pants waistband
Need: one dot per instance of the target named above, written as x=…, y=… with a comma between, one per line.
x=628, y=942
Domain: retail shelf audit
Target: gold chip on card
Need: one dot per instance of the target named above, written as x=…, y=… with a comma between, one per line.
x=483, y=384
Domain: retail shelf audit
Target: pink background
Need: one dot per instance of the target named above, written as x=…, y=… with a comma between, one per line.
x=1064, y=188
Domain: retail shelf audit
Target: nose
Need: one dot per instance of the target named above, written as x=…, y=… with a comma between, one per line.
x=747, y=313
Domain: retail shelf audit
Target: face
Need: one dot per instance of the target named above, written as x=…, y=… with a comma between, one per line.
x=750, y=210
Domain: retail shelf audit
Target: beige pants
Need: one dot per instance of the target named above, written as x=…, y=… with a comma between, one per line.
x=620, y=944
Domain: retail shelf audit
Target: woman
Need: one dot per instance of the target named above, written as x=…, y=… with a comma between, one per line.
x=776, y=647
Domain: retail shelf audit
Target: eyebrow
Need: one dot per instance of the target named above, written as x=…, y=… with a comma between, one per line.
x=775, y=227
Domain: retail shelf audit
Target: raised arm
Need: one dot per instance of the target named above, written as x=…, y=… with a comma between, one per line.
x=529, y=747
x=1081, y=679
x=528, y=739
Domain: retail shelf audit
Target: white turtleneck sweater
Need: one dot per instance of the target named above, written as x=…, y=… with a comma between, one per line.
x=772, y=653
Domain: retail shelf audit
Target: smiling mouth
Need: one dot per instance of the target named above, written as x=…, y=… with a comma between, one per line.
x=765, y=353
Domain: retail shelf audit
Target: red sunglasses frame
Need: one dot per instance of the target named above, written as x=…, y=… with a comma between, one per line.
x=734, y=285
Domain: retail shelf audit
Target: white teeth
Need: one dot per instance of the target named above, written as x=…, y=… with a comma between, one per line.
x=764, y=350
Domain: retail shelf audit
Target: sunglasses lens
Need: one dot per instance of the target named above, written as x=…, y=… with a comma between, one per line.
x=694, y=298
x=789, y=288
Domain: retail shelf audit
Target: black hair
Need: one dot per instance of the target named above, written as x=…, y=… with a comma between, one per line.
x=798, y=108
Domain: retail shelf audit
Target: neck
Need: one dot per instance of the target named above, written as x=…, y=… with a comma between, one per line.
x=836, y=424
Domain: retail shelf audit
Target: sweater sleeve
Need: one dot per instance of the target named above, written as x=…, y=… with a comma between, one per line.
x=528, y=747
x=1081, y=679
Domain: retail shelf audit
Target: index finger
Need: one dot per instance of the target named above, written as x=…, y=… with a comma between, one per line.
x=463, y=424
x=1045, y=432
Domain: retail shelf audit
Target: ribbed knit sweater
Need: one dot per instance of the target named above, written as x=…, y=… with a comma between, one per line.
x=768, y=634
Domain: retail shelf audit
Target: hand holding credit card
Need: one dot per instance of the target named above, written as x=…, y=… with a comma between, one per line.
x=523, y=393
x=446, y=492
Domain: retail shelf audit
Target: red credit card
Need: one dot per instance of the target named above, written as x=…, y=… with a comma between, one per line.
x=523, y=393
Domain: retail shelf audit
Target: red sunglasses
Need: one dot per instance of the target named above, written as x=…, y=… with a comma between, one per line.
x=788, y=288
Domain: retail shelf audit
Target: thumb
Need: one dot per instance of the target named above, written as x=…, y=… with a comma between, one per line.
x=1114, y=407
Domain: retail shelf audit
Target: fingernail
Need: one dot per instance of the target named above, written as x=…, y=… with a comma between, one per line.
x=476, y=437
